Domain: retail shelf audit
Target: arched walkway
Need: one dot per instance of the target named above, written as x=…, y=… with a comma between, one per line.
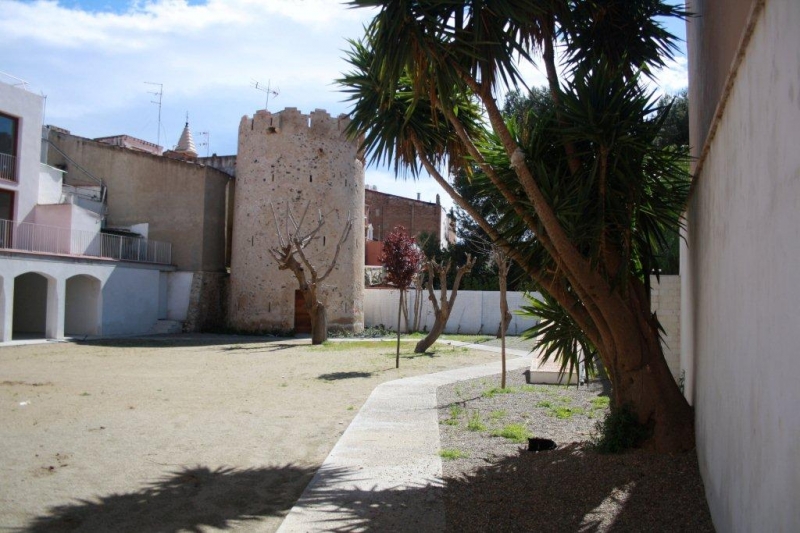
x=34, y=305
x=82, y=306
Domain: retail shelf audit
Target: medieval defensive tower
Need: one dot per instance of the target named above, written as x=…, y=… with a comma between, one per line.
x=288, y=158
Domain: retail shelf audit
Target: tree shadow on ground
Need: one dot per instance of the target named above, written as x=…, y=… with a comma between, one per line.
x=568, y=489
x=187, y=340
x=189, y=499
x=336, y=376
x=576, y=489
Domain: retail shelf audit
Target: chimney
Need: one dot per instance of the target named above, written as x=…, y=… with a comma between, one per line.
x=418, y=195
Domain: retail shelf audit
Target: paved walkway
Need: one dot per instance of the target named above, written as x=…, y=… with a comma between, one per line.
x=385, y=473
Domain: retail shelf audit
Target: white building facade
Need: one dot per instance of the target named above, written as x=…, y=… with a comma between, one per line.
x=59, y=275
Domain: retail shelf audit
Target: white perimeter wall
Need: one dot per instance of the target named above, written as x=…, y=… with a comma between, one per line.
x=479, y=312
x=743, y=289
x=473, y=312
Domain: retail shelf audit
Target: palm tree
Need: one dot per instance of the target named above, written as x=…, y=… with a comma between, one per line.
x=587, y=195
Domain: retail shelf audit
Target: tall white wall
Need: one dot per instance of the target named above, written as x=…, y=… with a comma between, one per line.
x=474, y=312
x=744, y=287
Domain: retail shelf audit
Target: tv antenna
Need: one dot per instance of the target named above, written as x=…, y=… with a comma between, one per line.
x=207, y=142
x=160, y=94
x=268, y=90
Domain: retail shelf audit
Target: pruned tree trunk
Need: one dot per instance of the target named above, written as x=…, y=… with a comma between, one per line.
x=443, y=306
x=290, y=255
x=319, y=325
x=419, y=281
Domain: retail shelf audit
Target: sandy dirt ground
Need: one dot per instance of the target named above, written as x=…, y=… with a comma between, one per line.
x=179, y=433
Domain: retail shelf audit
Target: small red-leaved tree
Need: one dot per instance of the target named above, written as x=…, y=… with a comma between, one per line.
x=401, y=257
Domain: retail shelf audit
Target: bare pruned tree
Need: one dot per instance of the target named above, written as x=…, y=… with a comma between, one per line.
x=290, y=254
x=442, y=306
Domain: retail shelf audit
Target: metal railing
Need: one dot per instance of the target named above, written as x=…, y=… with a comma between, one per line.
x=54, y=240
x=8, y=167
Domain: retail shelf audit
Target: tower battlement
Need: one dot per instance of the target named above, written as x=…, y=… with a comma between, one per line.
x=318, y=123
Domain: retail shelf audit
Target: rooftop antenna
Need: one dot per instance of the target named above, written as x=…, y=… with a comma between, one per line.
x=160, y=94
x=206, y=142
x=268, y=89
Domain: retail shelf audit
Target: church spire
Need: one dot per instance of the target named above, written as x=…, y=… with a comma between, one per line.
x=186, y=142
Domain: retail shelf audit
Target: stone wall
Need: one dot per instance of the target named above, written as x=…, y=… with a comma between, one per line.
x=290, y=160
x=208, y=302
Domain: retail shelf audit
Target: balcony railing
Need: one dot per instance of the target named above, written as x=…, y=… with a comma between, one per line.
x=8, y=167
x=54, y=240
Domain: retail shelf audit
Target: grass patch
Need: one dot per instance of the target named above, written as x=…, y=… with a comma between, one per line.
x=346, y=346
x=475, y=423
x=475, y=339
x=546, y=404
x=513, y=432
x=451, y=454
x=497, y=415
x=564, y=412
x=601, y=402
x=455, y=413
x=494, y=391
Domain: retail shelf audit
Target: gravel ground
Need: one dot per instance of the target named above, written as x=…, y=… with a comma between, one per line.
x=497, y=485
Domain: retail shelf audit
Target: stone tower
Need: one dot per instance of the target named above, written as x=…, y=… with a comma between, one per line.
x=288, y=157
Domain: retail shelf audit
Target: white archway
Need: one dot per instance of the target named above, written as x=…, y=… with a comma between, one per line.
x=34, y=308
x=82, y=306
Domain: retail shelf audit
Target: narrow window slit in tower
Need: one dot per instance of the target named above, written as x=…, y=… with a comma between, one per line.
x=323, y=240
x=310, y=178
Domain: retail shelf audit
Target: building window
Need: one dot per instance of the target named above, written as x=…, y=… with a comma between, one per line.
x=8, y=147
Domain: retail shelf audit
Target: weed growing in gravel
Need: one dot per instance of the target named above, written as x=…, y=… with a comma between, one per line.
x=494, y=391
x=497, y=415
x=601, y=402
x=564, y=412
x=513, y=432
x=475, y=423
x=451, y=454
x=455, y=413
x=547, y=404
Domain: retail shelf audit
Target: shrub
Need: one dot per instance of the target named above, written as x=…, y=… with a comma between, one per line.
x=618, y=432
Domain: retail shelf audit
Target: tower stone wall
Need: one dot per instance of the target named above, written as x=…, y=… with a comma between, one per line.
x=289, y=159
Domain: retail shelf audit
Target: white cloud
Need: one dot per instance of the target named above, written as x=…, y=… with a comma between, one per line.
x=92, y=65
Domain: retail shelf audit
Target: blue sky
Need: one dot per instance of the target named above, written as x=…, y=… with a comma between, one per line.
x=91, y=58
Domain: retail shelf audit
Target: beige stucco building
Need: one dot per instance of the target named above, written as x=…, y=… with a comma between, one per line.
x=162, y=198
x=741, y=283
x=290, y=160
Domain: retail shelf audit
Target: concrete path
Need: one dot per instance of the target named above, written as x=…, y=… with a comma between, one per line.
x=385, y=473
